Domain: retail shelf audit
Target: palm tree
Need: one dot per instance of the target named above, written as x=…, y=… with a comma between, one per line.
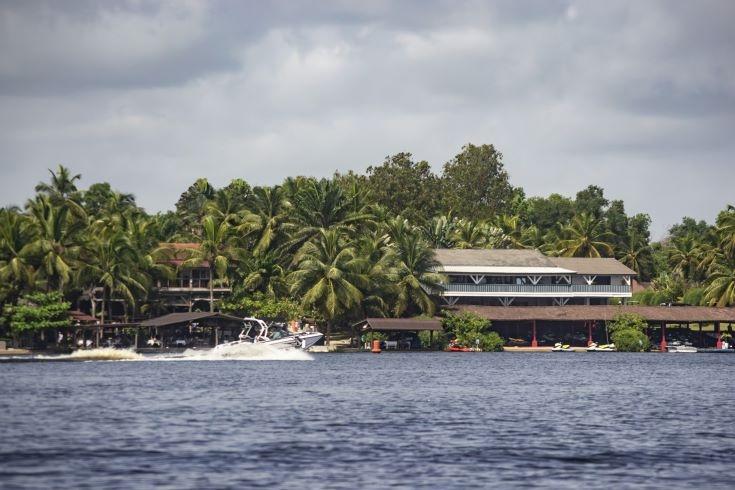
x=586, y=236
x=321, y=205
x=112, y=263
x=726, y=230
x=414, y=275
x=328, y=276
x=62, y=185
x=720, y=290
x=633, y=252
x=57, y=239
x=685, y=257
x=510, y=232
x=263, y=273
x=15, y=235
x=379, y=258
x=439, y=231
x=265, y=222
x=216, y=250
x=471, y=234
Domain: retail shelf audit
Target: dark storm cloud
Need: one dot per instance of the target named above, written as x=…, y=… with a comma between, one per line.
x=638, y=97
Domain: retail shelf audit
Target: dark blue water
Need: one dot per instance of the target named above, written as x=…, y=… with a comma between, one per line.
x=360, y=420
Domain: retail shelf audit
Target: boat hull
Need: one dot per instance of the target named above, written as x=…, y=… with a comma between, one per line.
x=298, y=341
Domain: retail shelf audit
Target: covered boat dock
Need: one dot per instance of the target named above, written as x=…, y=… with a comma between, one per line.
x=582, y=324
x=399, y=328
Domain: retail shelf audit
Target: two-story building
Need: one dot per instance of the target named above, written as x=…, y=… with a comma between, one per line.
x=190, y=289
x=529, y=278
x=568, y=291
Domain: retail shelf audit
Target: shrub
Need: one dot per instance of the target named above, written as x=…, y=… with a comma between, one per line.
x=627, y=321
x=693, y=296
x=261, y=306
x=469, y=328
x=630, y=340
x=38, y=311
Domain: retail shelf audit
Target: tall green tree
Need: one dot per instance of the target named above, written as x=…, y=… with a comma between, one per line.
x=328, y=277
x=112, y=263
x=414, y=276
x=216, y=249
x=62, y=185
x=57, y=240
x=585, y=236
x=405, y=187
x=475, y=184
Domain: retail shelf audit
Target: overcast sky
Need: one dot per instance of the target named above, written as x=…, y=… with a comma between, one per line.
x=637, y=97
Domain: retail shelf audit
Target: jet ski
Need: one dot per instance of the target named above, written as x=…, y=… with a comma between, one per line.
x=559, y=347
x=595, y=347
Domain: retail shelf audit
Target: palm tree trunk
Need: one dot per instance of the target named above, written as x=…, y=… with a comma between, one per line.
x=211, y=288
x=329, y=332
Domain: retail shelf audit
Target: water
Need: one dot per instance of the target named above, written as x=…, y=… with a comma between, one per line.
x=429, y=420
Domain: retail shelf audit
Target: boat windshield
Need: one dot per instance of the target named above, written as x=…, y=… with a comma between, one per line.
x=277, y=333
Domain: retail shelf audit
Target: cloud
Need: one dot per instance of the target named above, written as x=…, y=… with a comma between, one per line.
x=637, y=98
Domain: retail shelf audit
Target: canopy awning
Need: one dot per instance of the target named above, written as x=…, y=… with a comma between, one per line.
x=178, y=318
x=403, y=324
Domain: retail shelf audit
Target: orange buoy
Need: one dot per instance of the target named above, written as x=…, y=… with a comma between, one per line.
x=376, y=347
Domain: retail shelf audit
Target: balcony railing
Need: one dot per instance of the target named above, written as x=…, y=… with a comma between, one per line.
x=181, y=283
x=538, y=289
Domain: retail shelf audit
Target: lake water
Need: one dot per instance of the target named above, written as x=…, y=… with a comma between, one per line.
x=433, y=420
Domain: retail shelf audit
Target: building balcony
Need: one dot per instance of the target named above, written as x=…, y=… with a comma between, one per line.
x=545, y=290
x=189, y=285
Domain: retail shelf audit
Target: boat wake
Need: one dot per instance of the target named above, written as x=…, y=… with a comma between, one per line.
x=244, y=352
x=241, y=352
x=98, y=354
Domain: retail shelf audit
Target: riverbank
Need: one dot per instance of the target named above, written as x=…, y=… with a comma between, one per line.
x=14, y=352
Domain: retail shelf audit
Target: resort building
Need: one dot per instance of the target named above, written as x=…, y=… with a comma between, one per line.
x=529, y=278
x=190, y=288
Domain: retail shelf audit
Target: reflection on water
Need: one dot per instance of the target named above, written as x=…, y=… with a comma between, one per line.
x=361, y=420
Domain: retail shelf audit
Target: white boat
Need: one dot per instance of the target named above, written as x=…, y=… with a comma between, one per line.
x=256, y=331
x=559, y=347
x=595, y=347
x=679, y=347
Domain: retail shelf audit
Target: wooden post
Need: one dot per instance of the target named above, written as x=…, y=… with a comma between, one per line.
x=719, y=335
x=136, y=338
x=534, y=342
x=216, y=336
x=589, y=333
x=663, y=337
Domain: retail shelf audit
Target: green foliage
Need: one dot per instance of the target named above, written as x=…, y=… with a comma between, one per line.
x=437, y=340
x=38, y=311
x=269, y=242
x=627, y=321
x=467, y=328
x=630, y=340
x=475, y=184
x=262, y=306
x=694, y=296
x=370, y=336
x=405, y=187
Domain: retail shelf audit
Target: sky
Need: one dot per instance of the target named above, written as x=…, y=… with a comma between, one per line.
x=636, y=97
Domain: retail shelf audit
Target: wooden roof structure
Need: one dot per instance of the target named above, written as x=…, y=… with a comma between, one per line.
x=593, y=265
x=672, y=314
x=400, y=324
x=183, y=318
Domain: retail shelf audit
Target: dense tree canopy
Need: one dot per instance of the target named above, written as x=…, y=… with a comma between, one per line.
x=339, y=248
